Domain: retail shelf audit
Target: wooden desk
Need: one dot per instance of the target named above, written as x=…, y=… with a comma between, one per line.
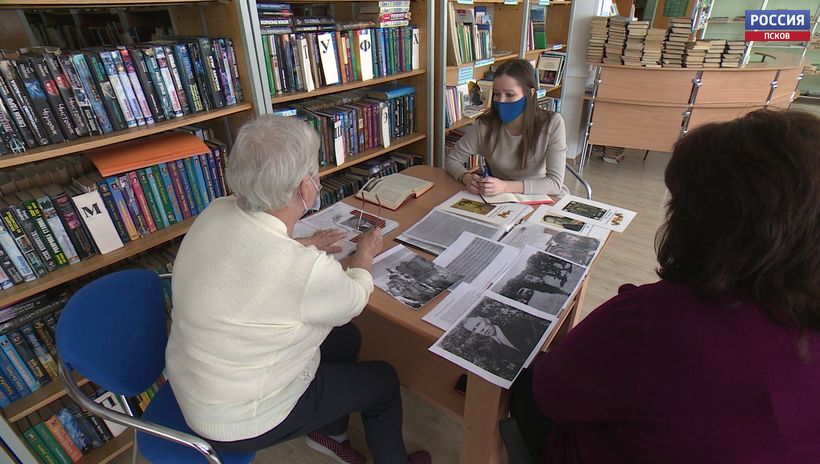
x=394, y=333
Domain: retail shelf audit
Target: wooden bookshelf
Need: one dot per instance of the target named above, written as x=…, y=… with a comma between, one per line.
x=111, y=449
x=463, y=122
x=373, y=153
x=292, y=96
x=46, y=395
x=94, y=3
x=96, y=141
x=67, y=273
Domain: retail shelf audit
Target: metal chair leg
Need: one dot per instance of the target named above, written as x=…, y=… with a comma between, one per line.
x=580, y=179
x=645, y=155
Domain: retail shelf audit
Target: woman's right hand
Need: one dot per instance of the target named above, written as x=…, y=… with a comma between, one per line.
x=370, y=243
x=472, y=182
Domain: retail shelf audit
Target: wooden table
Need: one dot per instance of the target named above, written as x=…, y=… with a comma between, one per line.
x=394, y=333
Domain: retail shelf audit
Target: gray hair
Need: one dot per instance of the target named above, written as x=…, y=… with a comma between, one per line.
x=271, y=155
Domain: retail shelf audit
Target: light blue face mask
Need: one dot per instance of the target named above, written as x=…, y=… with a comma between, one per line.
x=508, y=111
x=317, y=203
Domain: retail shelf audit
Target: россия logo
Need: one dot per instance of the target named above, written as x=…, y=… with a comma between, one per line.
x=778, y=25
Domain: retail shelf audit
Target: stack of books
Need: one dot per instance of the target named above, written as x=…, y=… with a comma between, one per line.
x=49, y=96
x=653, y=47
x=537, y=36
x=274, y=18
x=714, y=55
x=616, y=39
x=636, y=35
x=597, y=39
x=695, y=53
x=733, y=54
x=394, y=13
x=675, y=44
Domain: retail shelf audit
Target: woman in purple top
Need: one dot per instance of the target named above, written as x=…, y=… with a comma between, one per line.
x=719, y=361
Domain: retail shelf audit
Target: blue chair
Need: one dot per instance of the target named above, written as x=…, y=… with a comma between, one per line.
x=114, y=331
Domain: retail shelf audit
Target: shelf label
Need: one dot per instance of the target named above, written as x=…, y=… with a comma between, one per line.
x=540, y=93
x=543, y=2
x=465, y=2
x=486, y=62
x=465, y=73
x=511, y=2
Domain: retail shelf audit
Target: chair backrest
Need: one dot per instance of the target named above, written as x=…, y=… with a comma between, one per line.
x=113, y=331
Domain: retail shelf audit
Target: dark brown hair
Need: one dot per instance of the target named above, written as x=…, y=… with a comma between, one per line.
x=744, y=213
x=534, y=118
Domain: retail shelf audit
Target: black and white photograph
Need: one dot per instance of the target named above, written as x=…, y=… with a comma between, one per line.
x=409, y=278
x=541, y=281
x=576, y=248
x=494, y=340
x=585, y=210
x=595, y=213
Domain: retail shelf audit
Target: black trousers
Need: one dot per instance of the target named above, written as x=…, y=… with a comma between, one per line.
x=533, y=424
x=342, y=386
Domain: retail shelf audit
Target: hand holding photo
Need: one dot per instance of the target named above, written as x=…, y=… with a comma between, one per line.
x=595, y=213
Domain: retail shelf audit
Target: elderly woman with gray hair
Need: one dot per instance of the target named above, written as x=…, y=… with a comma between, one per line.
x=261, y=348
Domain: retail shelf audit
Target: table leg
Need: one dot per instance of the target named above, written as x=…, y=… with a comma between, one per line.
x=485, y=405
x=579, y=301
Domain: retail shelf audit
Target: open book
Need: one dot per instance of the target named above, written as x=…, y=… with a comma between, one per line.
x=518, y=198
x=393, y=190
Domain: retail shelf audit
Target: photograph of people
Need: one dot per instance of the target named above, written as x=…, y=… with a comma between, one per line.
x=525, y=147
x=563, y=222
x=575, y=248
x=719, y=360
x=262, y=348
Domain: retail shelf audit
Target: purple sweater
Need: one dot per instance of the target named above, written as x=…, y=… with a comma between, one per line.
x=658, y=375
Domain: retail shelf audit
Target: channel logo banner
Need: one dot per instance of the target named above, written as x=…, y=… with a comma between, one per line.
x=778, y=25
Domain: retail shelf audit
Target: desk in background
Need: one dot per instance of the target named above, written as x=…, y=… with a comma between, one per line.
x=394, y=333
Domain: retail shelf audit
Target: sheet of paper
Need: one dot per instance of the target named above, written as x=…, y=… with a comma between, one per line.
x=409, y=278
x=547, y=216
x=495, y=339
x=473, y=206
x=529, y=233
x=453, y=306
x=345, y=217
x=595, y=213
x=573, y=247
x=441, y=229
x=478, y=259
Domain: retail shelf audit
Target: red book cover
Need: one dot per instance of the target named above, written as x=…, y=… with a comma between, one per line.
x=179, y=190
x=143, y=203
x=56, y=428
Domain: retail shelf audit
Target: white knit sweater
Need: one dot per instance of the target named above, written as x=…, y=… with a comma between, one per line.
x=251, y=307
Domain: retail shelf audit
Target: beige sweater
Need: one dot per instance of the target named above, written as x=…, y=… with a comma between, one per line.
x=545, y=167
x=251, y=307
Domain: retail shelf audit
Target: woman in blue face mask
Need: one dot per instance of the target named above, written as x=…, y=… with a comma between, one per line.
x=524, y=147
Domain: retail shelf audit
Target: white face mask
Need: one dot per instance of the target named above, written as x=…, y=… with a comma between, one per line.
x=317, y=203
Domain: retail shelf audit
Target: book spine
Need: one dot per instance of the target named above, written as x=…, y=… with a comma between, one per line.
x=36, y=216
x=211, y=70
x=21, y=98
x=6, y=386
x=64, y=87
x=5, y=280
x=179, y=190
x=237, y=86
x=206, y=173
x=158, y=188
x=10, y=138
x=186, y=74
x=168, y=80
x=194, y=183
x=99, y=426
x=186, y=186
x=144, y=77
x=61, y=436
x=122, y=207
x=39, y=447
x=38, y=100
x=145, y=211
x=151, y=65
x=133, y=79
x=226, y=72
x=33, y=234
x=79, y=93
x=17, y=116
x=72, y=428
x=219, y=161
x=174, y=69
x=44, y=335
x=51, y=217
x=13, y=376
x=209, y=157
x=93, y=92
x=118, y=88
x=200, y=178
x=52, y=94
x=108, y=95
x=113, y=210
x=51, y=443
x=133, y=205
x=152, y=199
x=130, y=95
x=6, y=259
x=94, y=439
x=169, y=189
x=40, y=351
x=29, y=359
x=83, y=244
x=24, y=243
x=19, y=365
x=200, y=75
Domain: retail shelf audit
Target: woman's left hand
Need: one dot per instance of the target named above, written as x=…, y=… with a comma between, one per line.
x=324, y=239
x=492, y=186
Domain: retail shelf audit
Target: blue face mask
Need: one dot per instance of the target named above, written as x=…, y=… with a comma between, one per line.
x=317, y=203
x=508, y=111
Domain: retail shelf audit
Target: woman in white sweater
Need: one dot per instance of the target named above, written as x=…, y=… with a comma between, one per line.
x=524, y=147
x=261, y=349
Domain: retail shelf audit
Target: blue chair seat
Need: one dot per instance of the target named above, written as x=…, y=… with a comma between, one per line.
x=164, y=410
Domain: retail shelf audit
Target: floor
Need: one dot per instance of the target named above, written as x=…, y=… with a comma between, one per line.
x=629, y=257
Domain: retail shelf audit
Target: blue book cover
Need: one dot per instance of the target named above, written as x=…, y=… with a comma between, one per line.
x=214, y=174
x=73, y=430
x=7, y=388
x=149, y=174
x=4, y=400
x=194, y=183
x=200, y=178
x=40, y=350
x=206, y=173
x=186, y=186
x=169, y=187
x=19, y=366
x=93, y=96
x=121, y=204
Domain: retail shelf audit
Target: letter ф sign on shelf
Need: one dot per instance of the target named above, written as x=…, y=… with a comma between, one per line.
x=778, y=25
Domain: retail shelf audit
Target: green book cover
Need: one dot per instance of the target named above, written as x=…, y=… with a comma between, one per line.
x=155, y=177
x=189, y=170
x=50, y=442
x=354, y=55
x=268, y=67
x=391, y=48
x=39, y=447
x=149, y=198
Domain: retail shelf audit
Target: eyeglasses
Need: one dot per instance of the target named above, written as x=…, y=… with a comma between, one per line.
x=376, y=220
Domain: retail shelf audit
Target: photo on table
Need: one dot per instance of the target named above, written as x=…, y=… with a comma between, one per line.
x=473, y=206
x=540, y=280
x=494, y=340
x=409, y=278
x=576, y=248
x=585, y=210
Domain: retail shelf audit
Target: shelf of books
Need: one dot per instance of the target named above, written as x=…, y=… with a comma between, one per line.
x=107, y=154
x=373, y=153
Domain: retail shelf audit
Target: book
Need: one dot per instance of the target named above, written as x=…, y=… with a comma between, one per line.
x=39, y=102
x=79, y=93
x=18, y=363
x=93, y=92
x=48, y=439
x=108, y=95
x=133, y=79
x=36, y=443
x=393, y=190
x=60, y=434
x=24, y=243
x=70, y=218
x=16, y=93
x=72, y=428
x=118, y=87
x=518, y=198
x=145, y=82
x=130, y=94
x=31, y=230
x=40, y=350
x=52, y=218
x=472, y=206
x=95, y=216
x=31, y=361
x=52, y=94
x=15, y=256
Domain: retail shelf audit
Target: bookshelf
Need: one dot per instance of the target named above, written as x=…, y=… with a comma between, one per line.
x=212, y=18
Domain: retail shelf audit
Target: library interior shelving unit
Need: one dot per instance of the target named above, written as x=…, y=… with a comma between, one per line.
x=510, y=29
x=21, y=25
